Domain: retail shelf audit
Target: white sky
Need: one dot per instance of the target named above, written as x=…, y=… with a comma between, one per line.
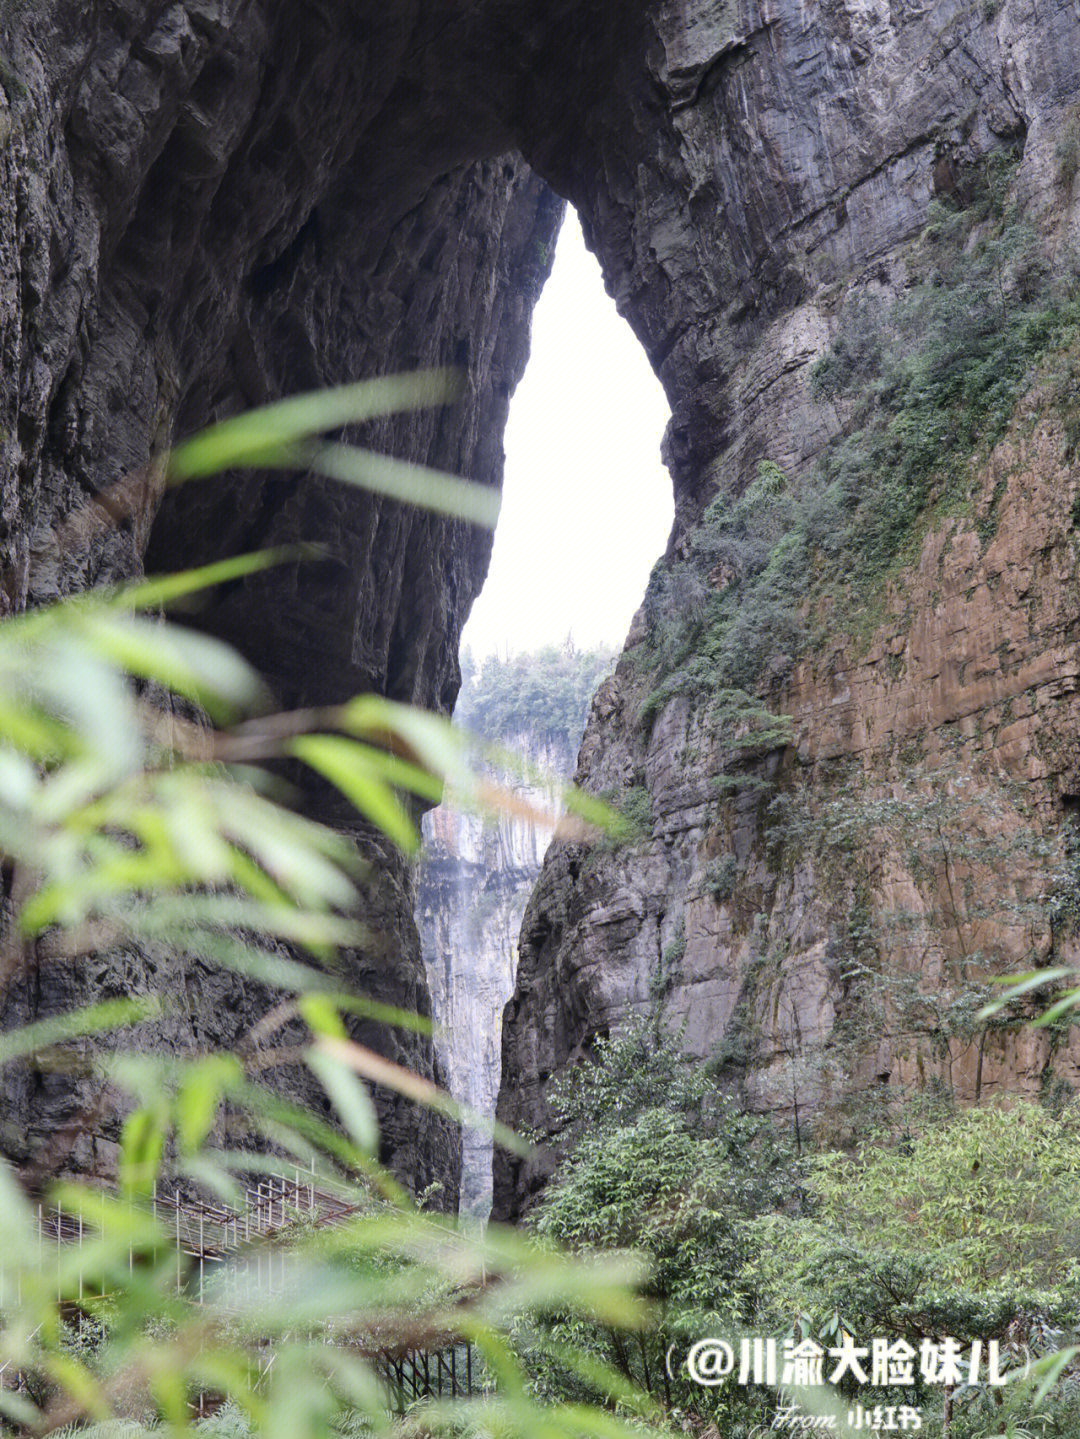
x=587, y=504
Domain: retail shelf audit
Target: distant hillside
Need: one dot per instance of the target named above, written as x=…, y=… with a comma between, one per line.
x=545, y=694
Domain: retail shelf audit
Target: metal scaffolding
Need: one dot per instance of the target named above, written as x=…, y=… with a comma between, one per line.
x=232, y=1254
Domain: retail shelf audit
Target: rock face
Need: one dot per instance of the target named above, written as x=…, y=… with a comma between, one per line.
x=474, y=882
x=208, y=203
x=203, y=206
x=797, y=157
x=945, y=744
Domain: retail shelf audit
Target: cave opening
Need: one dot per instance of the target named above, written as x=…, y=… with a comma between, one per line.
x=587, y=501
x=587, y=510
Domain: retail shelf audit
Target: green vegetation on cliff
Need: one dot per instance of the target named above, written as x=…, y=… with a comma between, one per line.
x=659, y=1160
x=922, y=384
x=544, y=694
x=964, y=1225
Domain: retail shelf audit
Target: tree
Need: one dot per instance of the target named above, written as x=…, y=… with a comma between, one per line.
x=966, y=1226
x=658, y=1160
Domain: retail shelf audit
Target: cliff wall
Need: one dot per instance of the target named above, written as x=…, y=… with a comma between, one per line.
x=846, y=708
x=473, y=884
x=823, y=929
x=203, y=206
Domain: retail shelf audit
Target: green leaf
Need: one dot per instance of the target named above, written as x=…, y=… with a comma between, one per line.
x=205, y=1084
x=348, y=767
x=382, y=1013
x=1020, y=984
x=1063, y=1006
x=88, y=693
x=33, y=732
x=142, y=1147
x=350, y=1099
x=163, y=590
x=274, y=970
x=288, y=849
x=18, y=1408
x=197, y=666
x=403, y=774
x=379, y=1070
x=94, y=1019
x=407, y=483
x=433, y=742
x=259, y=437
x=16, y=1215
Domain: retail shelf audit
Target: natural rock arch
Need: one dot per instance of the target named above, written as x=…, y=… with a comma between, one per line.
x=208, y=203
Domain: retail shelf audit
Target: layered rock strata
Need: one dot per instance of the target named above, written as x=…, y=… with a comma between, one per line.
x=204, y=206
x=809, y=150
x=809, y=934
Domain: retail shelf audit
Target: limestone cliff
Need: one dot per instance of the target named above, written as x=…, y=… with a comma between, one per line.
x=204, y=205
x=476, y=874
x=474, y=882
x=818, y=968
x=853, y=755
x=207, y=203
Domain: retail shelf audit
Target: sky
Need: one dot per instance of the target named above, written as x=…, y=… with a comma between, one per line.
x=587, y=503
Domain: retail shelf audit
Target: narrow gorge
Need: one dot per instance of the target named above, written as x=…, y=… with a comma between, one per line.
x=477, y=872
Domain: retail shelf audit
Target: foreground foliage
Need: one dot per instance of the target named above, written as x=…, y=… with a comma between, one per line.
x=136, y=808
x=943, y=1224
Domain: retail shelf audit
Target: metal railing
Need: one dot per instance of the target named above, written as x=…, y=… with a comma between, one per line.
x=427, y=1374
x=232, y=1253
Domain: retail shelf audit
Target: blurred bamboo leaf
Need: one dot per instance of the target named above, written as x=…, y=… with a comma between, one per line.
x=350, y=1099
x=378, y=1070
x=196, y=666
x=1021, y=984
x=160, y=591
x=1049, y=1369
x=205, y=1084
x=110, y=1014
x=132, y=821
x=349, y=768
x=258, y=436
x=407, y=483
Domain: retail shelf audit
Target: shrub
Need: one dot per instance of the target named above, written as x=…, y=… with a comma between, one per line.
x=720, y=877
x=636, y=810
x=139, y=833
x=670, y=963
x=967, y=1225
x=739, y=535
x=659, y=1160
x=639, y=1068
x=942, y=1224
x=991, y=1195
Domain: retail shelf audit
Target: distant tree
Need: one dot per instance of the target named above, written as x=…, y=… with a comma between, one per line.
x=545, y=693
